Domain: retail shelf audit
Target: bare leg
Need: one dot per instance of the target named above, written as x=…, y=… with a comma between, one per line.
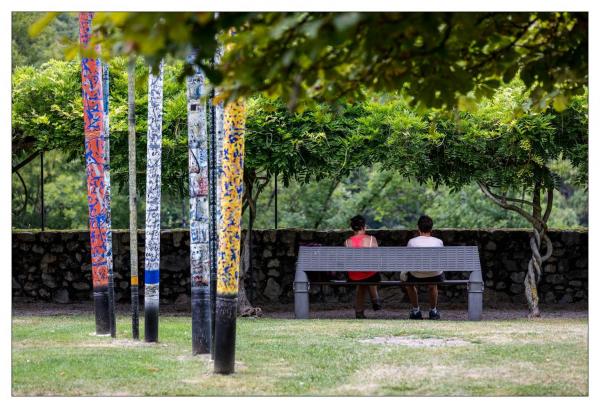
x=373, y=292
x=411, y=291
x=360, y=298
x=375, y=301
x=433, y=296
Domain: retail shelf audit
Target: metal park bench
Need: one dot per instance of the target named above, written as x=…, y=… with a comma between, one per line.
x=388, y=259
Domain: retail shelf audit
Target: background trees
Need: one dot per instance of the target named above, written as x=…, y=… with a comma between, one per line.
x=502, y=153
x=437, y=58
x=50, y=43
x=332, y=148
x=373, y=100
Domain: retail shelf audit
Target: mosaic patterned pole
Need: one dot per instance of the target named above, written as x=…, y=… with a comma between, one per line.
x=229, y=239
x=133, y=243
x=153, y=173
x=214, y=175
x=199, y=213
x=111, y=282
x=93, y=110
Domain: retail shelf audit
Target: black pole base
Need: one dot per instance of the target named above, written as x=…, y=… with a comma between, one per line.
x=101, y=310
x=112, y=319
x=226, y=313
x=213, y=312
x=151, y=323
x=201, y=326
x=135, y=319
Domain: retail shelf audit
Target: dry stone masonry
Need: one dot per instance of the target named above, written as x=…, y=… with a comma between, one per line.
x=55, y=266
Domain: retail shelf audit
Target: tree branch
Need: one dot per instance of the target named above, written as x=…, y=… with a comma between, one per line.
x=332, y=188
x=502, y=203
x=494, y=54
x=549, y=202
x=379, y=190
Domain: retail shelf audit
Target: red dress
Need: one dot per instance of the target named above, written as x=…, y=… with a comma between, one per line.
x=356, y=242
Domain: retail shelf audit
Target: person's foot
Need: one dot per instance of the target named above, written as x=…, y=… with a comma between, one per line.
x=360, y=315
x=434, y=314
x=377, y=304
x=415, y=314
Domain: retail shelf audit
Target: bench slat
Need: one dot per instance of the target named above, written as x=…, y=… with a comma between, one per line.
x=388, y=259
x=391, y=283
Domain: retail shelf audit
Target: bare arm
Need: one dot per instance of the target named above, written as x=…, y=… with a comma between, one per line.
x=373, y=242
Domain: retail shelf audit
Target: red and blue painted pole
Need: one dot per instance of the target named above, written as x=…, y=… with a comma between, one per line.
x=96, y=161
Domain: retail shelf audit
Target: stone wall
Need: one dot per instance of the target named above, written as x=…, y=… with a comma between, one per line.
x=56, y=265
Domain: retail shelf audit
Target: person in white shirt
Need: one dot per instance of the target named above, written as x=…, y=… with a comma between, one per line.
x=425, y=225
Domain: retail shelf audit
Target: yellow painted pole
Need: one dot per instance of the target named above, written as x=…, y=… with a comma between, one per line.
x=228, y=256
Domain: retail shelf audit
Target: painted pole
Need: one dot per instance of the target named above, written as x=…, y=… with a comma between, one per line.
x=199, y=212
x=229, y=239
x=111, y=283
x=215, y=170
x=91, y=81
x=153, y=173
x=133, y=244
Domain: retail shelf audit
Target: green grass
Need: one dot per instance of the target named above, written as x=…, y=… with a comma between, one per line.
x=61, y=356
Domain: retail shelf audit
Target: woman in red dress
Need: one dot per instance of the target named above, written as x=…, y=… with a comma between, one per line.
x=361, y=240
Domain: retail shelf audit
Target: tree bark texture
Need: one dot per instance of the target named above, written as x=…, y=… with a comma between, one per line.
x=538, y=235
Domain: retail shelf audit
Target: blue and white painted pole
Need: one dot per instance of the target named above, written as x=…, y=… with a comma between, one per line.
x=153, y=187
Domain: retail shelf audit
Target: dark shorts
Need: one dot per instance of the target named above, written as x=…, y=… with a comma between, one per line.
x=433, y=279
x=374, y=278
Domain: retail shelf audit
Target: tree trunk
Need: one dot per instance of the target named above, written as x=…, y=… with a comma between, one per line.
x=539, y=234
x=332, y=188
x=534, y=268
x=245, y=308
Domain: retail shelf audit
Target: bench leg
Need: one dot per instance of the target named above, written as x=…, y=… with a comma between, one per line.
x=475, y=305
x=475, y=300
x=301, y=287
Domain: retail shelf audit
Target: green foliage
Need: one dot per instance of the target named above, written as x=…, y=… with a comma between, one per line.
x=440, y=59
x=329, y=144
x=65, y=198
x=48, y=114
x=49, y=44
x=490, y=144
x=388, y=200
x=317, y=143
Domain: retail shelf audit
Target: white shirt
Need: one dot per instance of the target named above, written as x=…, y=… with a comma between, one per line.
x=421, y=242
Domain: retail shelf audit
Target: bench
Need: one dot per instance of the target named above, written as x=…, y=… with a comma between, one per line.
x=388, y=259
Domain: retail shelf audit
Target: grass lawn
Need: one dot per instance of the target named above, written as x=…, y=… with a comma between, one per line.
x=60, y=356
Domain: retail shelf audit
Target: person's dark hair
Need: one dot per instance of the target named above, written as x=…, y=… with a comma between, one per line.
x=357, y=223
x=425, y=223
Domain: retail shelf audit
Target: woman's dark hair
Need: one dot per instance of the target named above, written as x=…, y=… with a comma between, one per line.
x=425, y=223
x=357, y=223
